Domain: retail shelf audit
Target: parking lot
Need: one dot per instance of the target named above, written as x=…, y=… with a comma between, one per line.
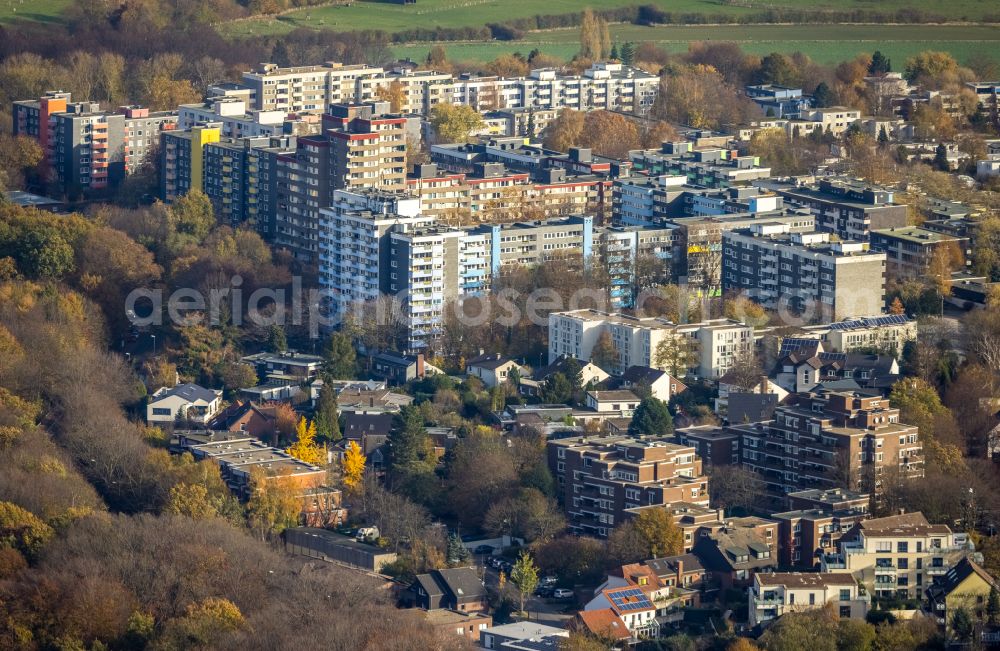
x=545, y=610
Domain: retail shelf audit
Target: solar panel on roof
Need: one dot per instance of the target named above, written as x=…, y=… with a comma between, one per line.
x=791, y=344
x=630, y=599
x=870, y=322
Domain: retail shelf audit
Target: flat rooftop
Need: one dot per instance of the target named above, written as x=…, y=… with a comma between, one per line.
x=917, y=235
x=806, y=579
x=708, y=432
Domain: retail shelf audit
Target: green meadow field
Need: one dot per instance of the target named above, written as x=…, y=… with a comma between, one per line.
x=46, y=11
x=823, y=43
x=391, y=17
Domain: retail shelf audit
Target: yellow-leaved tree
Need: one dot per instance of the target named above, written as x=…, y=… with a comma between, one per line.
x=353, y=465
x=305, y=447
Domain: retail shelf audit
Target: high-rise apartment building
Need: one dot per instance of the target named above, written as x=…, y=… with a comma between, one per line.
x=831, y=439
x=262, y=180
x=305, y=88
x=353, y=242
x=848, y=208
x=87, y=149
x=608, y=86
x=599, y=478
x=232, y=115
x=430, y=266
x=182, y=160
x=226, y=177
x=361, y=147
x=604, y=86
x=807, y=274
x=710, y=167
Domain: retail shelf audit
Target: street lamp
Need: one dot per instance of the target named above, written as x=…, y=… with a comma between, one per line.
x=154, y=344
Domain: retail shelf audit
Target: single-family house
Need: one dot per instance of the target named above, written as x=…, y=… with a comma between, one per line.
x=602, y=623
x=658, y=383
x=396, y=368
x=457, y=588
x=370, y=432
x=590, y=374
x=493, y=369
x=258, y=421
x=183, y=402
x=967, y=586
x=289, y=362
x=447, y=623
x=809, y=366
x=620, y=402
x=730, y=384
x=631, y=605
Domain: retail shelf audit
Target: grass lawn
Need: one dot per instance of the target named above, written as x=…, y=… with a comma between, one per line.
x=390, y=17
x=824, y=43
x=35, y=10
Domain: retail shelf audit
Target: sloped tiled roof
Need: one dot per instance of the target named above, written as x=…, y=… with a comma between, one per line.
x=604, y=623
x=667, y=565
x=491, y=361
x=463, y=582
x=956, y=575
x=190, y=392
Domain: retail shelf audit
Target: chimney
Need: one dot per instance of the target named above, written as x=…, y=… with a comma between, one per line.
x=680, y=573
x=420, y=365
x=763, y=385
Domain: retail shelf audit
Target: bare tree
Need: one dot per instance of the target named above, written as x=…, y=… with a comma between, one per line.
x=746, y=371
x=734, y=487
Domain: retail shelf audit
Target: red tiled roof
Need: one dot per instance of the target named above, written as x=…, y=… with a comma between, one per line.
x=604, y=623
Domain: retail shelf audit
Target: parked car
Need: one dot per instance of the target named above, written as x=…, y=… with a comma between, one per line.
x=562, y=593
x=545, y=592
x=484, y=549
x=496, y=562
x=548, y=580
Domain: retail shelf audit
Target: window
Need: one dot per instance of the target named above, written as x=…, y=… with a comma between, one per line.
x=161, y=411
x=902, y=547
x=845, y=611
x=812, y=598
x=845, y=595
